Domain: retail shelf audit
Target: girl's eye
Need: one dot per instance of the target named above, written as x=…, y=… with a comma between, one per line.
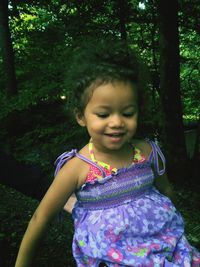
x=102, y=115
x=128, y=114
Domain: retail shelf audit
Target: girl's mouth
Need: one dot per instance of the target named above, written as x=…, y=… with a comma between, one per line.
x=115, y=134
x=115, y=137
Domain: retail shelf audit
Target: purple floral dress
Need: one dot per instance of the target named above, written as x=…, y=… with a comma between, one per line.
x=122, y=220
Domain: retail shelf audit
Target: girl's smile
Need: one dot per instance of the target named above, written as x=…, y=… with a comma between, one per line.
x=111, y=115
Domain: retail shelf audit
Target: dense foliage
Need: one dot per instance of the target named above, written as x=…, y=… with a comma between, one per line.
x=36, y=124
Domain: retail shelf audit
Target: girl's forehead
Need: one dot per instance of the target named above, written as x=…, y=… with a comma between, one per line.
x=102, y=88
x=115, y=91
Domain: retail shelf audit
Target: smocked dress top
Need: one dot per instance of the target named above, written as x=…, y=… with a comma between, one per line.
x=97, y=192
x=102, y=189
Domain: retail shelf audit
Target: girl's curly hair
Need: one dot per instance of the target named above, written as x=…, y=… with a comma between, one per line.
x=93, y=62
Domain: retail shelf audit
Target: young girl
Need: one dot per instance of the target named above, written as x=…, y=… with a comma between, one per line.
x=121, y=217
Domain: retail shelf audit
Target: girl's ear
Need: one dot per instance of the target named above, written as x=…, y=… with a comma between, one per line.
x=80, y=118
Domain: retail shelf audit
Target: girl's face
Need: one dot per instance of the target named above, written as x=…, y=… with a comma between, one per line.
x=111, y=115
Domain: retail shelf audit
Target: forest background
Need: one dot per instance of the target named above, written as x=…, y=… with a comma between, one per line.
x=36, y=126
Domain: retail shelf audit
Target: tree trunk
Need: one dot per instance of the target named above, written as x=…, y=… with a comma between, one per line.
x=195, y=168
x=7, y=50
x=173, y=130
x=121, y=13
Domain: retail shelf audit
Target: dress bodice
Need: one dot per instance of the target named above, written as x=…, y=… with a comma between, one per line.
x=117, y=188
x=113, y=186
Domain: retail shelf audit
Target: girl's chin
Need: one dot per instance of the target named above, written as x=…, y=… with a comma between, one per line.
x=116, y=145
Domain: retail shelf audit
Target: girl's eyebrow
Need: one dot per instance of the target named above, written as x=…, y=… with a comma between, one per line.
x=108, y=106
x=130, y=106
x=102, y=106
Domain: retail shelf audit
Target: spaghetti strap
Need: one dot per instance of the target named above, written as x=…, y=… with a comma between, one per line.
x=154, y=158
x=66, y=156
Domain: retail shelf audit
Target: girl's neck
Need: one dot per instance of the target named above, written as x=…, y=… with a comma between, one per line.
x=116, y=158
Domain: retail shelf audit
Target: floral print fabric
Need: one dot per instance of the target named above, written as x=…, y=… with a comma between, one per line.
x=147, y=231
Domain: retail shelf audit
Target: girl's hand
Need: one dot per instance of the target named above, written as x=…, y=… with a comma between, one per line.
x=70, y=203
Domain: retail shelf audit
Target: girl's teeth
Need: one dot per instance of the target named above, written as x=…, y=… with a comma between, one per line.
x=116, y=134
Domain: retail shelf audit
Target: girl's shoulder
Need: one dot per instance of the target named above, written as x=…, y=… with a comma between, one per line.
x=143, y=145
x=76, y=167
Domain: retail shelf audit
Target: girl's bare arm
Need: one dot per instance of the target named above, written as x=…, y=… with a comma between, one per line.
x=164, y=186
x=62, y=187
x=161, y=182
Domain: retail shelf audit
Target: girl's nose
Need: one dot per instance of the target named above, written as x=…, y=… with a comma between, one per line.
x=116, y=121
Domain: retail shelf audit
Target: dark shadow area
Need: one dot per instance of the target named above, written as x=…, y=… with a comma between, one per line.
x=28, y=179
